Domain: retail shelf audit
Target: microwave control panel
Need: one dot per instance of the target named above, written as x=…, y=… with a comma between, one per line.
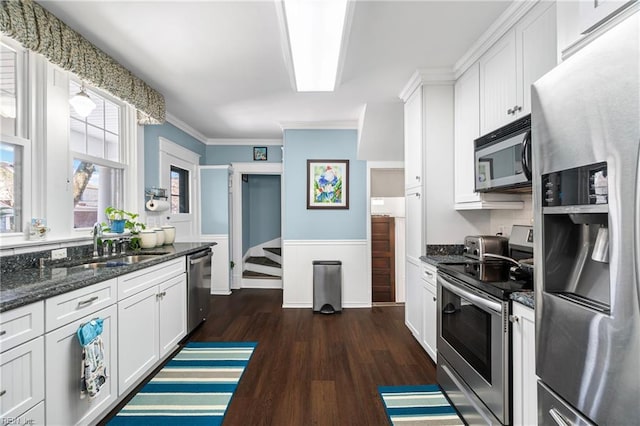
x=578, y=186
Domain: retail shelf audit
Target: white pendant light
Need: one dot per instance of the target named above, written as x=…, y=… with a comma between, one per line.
x=82, y=103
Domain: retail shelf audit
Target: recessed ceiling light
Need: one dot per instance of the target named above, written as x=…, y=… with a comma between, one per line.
x=315, y=29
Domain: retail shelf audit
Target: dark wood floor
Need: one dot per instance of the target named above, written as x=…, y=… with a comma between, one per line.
x=314, y=369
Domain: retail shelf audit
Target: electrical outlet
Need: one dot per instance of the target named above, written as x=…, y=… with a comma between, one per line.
x=58, y=254
x=502, y=229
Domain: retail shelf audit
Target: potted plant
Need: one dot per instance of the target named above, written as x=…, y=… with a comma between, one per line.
x=121, y=220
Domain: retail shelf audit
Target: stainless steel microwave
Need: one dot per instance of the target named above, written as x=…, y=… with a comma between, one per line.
x=503, y=158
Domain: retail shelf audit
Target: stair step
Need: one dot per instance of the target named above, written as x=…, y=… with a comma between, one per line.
x=264, y=261
x=252, y=274
x=274, y=250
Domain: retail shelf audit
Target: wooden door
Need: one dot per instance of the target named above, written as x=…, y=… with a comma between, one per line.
x=383, y=252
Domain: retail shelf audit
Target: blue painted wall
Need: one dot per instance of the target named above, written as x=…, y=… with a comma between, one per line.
x=226, y=154
x=303, y=224
x=264, y=208
x=214, y=203
x=152, y=134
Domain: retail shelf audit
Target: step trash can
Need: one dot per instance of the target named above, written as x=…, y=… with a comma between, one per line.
x=327, y=286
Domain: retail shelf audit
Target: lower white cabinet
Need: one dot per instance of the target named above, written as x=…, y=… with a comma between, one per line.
x=525, y=398
x=153, y=321
x=64, y=404
x=429, y=320
x=21, y=378
x=413, y=299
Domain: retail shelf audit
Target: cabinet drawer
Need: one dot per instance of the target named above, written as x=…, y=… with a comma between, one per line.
x=21, y=378
x=145, y=278
x=429, y=274
x=20, y=325
x=68, y=307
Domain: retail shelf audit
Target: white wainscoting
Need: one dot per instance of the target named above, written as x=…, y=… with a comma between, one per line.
x=220, y=283
x=297, y=271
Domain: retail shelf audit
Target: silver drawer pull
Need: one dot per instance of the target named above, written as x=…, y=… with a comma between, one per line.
x=3, y=332
x=434, y=299
x=86, y=302
x=3, y=392
x=429, y=273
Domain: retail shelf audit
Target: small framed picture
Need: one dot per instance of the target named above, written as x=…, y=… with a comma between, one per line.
x=259, y=153
x=327, y=184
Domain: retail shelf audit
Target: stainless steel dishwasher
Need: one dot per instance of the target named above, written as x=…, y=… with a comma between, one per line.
x=198, y=287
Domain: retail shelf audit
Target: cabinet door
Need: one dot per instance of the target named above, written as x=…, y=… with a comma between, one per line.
x=429, y=320
x=413, y=140
x=21, y=378
x=467, y=129
x=173, y=313
x=138, y=336
x=498, y=94
x=64, y=406
x=414, y=222
x=413, y=303
x=536, y=35
x=525, y=401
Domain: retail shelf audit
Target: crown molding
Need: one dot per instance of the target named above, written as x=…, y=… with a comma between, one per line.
x=320, y=125
x=500, y=26
x=240, y=142
x=427, y=76
x=185, y=127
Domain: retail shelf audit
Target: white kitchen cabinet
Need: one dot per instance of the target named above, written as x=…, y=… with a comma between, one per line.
x=413, y=140
x=525, y=401
x=429, y=310
x=467, y=129
x=513, y=63
x=414, y=242
x=64, y=404
x=413, y=304
x=20, y=325
x=153, y=322
x=21, y=378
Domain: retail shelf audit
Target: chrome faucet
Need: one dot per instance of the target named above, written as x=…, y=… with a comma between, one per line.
x=97, y=233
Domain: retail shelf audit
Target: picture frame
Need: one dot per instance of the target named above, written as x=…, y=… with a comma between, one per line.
x=259, y=153
x=327, y=184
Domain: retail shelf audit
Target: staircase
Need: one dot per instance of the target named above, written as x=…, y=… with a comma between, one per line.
x=266, y=267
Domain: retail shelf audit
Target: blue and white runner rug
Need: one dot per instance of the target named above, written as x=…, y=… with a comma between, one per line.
x=194, y=388
x=418, y=405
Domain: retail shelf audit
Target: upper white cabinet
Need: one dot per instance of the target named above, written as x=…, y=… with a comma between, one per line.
x=507, y=69
x=413, y=140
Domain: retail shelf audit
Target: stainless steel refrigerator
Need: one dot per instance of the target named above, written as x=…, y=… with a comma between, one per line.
x=586, y=153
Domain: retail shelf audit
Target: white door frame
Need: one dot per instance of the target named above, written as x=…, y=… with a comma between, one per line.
x=173, y=154
x=239, y=169
x=375, y=165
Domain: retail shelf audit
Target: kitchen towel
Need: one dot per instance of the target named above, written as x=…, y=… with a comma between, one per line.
x=93, y=373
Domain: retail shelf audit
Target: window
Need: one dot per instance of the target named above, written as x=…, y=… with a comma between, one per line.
x=11, y=187
x=97, y=171
x=179, y=190
x=8, y=90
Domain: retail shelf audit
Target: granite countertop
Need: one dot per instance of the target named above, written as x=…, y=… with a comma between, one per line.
x=435, y=259
x=524, y=298
x=26, y=286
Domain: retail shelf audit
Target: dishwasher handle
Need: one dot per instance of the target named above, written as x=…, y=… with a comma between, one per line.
x=193, y=260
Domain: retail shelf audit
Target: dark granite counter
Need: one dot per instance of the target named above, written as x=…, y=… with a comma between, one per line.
x=524, y=297
x=28, y=285
x=435, y=259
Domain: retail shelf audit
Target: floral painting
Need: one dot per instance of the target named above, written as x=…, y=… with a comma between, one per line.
x=327, y=184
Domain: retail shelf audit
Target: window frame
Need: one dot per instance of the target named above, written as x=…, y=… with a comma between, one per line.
x=25, y=144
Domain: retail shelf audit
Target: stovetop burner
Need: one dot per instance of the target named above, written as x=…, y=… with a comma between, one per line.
x=491, y=277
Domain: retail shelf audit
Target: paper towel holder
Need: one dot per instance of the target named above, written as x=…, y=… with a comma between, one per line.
x=154, y=192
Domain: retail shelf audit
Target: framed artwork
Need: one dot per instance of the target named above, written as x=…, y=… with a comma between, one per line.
x=327, y=184
x=259, y=153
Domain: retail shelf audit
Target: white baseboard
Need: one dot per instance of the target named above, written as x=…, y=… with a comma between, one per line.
x=220, y=293
x=258, y=283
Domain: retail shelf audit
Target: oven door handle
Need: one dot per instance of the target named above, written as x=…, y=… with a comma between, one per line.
x=480, y=301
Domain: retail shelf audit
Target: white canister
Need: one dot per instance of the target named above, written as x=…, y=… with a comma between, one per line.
x=147, y=239
x=169, y=234
x=159, y=236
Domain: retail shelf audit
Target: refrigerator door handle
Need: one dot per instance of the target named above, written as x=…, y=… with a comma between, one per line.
x=559, y=418
x=526, y=155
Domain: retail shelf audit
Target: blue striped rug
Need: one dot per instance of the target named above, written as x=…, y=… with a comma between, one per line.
x=418, y=405
x=195, y=387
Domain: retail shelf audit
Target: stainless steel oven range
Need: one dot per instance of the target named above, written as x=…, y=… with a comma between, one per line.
x=474, y=332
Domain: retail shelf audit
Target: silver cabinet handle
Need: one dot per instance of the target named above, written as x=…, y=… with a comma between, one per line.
x=510, y=111
x=429, y=273
x=3, y=332
x=434, y=299
x=3, y=392
x=88, y=301
x=514, y=318
x=418, y=178
x=559, y=418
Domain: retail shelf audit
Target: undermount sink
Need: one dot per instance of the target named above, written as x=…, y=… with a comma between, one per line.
x=117, y=261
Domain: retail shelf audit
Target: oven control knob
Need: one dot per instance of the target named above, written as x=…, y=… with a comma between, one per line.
x=465, y=250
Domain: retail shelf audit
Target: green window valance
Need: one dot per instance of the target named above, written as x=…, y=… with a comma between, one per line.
x=39, y=30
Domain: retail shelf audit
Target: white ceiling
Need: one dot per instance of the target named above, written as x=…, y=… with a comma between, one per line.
x=221, y=67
